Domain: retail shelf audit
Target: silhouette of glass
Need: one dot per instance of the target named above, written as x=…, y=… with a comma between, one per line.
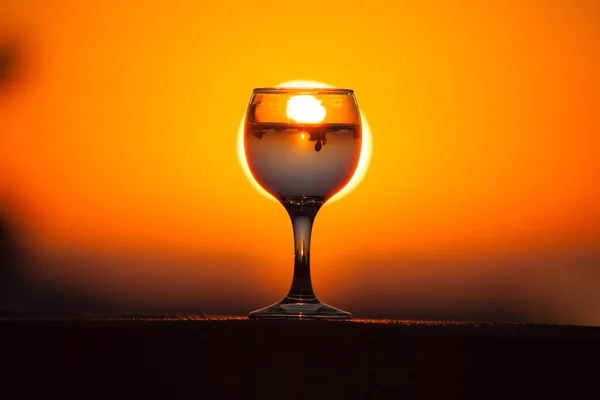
x=302, y=145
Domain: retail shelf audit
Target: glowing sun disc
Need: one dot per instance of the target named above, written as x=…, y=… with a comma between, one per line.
x=305, y=109
x=363, y=162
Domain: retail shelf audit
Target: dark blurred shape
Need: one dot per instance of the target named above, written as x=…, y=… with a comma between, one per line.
x=20, y=292
x=9, y=55
x=16, y=292
x=9, y=257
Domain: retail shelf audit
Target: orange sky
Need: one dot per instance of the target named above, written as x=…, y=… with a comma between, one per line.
x=118, y=129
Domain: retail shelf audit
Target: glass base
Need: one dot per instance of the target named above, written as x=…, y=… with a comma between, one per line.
x=295, y=310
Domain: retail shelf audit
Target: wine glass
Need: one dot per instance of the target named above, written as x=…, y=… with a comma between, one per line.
x=302, y=146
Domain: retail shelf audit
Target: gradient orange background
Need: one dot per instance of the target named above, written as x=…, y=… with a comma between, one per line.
x=119, y=173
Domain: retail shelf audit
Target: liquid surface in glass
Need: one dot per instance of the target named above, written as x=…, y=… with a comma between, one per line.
x=311, y=160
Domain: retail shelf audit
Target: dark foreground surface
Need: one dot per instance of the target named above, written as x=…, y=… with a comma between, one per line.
x=202, y=358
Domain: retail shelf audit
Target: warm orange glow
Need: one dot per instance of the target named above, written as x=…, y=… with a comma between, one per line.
x=305, y=109
x=118, y=125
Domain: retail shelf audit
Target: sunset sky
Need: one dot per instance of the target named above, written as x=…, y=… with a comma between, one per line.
x=120, y=178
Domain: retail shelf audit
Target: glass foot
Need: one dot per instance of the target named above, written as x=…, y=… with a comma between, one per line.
x=294, y=310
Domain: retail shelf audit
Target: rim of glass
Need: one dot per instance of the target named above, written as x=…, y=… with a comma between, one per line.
x=316, y=90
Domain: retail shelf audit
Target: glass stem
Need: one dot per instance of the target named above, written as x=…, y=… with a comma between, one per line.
x=302, y=213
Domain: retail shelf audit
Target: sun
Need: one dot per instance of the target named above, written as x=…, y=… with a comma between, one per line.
x=307, y=109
